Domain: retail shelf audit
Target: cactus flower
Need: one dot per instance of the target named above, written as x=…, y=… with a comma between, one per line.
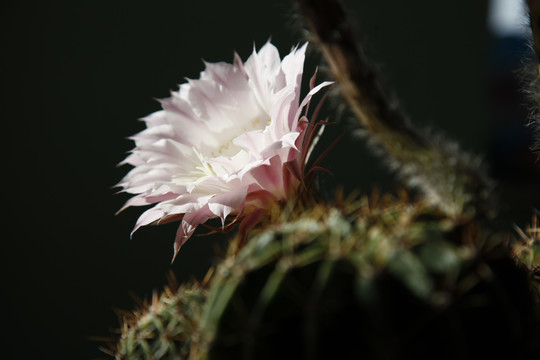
x=229, y=143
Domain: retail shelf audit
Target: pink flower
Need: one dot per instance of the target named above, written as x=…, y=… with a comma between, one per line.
x=226, y=144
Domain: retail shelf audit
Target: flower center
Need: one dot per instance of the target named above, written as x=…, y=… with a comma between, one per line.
x=227, y=147
x=201, y=170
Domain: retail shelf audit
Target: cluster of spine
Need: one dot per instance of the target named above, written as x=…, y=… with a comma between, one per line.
x=526, y=251
x=163, y=329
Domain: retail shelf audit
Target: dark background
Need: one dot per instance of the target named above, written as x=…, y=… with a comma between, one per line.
x=76, y=76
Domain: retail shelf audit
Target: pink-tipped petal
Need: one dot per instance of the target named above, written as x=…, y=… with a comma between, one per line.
x=147, y=217
x=188, y=225
x=222, y=205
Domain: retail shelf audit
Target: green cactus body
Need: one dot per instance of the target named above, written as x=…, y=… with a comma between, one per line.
x=380, y=280
x=163, y=329
x=392, y=281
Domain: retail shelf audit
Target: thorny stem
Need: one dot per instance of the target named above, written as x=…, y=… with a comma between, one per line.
x=447, y=178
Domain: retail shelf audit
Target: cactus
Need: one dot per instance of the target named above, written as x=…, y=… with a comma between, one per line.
x=393, y=280
x=378, y=278
x=163, y=328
